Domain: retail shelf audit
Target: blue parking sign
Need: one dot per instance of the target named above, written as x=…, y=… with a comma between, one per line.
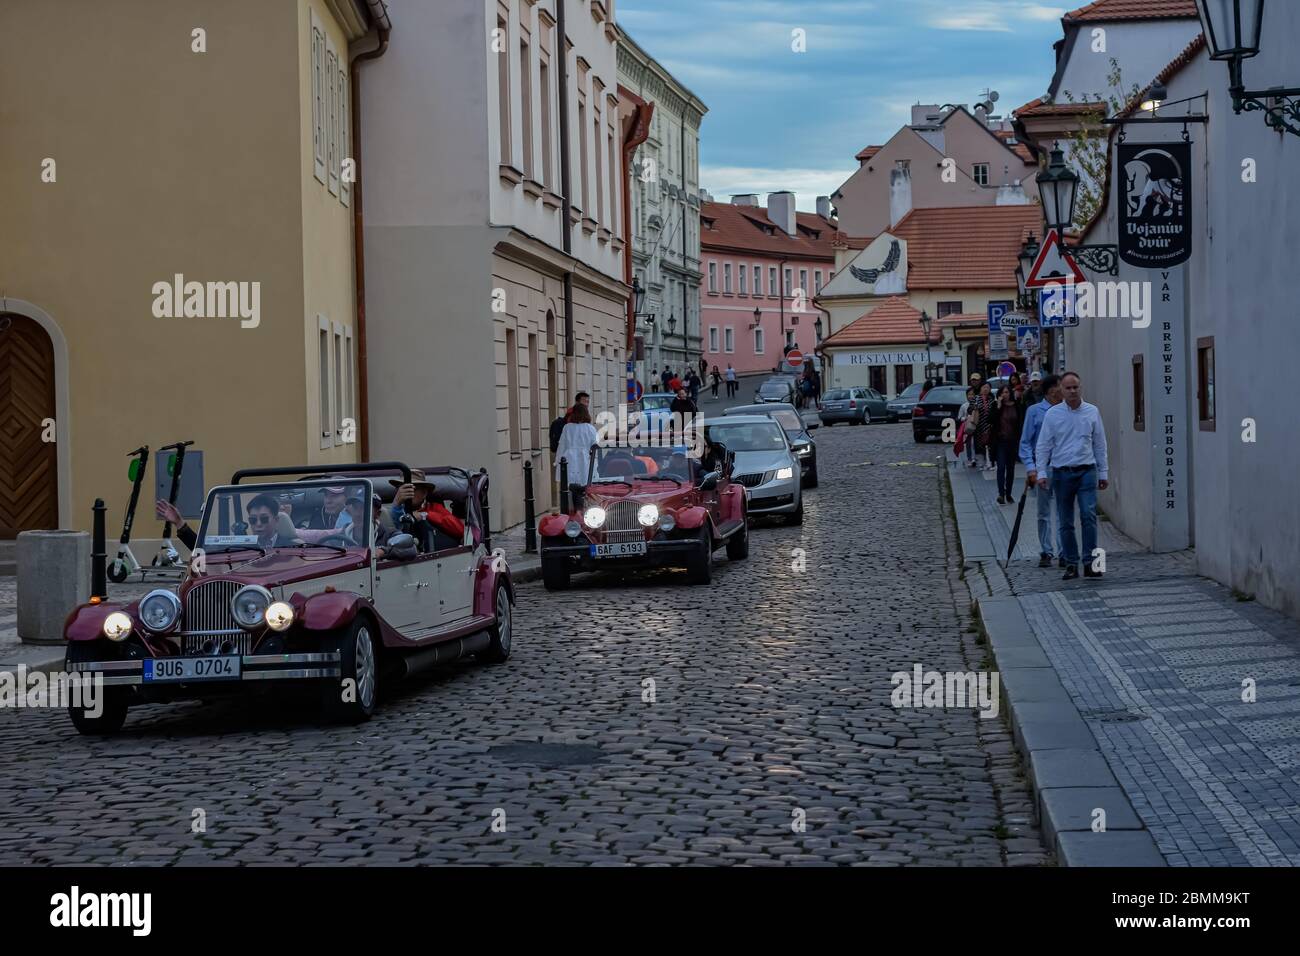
x=1056, y=306
x=996, y=311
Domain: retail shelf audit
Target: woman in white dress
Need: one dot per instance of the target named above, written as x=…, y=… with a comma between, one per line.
x=575, y=445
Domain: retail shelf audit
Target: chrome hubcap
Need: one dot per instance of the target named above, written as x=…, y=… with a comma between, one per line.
x=365, y=668
x=503, y=618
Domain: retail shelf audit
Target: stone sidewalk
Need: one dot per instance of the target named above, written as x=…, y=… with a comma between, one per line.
x=1133, y=694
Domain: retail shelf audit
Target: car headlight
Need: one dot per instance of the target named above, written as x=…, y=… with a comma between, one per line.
x=594, y=516
x=160, y=610
x=279, y=616
x=785, y=474
x=249, y=606
x=647, y=515
x=573, y=529
x=117, y=626
x=667, y=522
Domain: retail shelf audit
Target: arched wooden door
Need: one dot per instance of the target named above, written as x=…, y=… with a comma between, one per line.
x=29, y=477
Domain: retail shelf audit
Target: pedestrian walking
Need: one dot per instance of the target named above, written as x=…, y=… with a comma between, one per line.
x=717, y=380
x=665, y=377
x=1048, y=534
x=984, y=427
x=576, y=439
x=731, y=381
x=1006, y=429
x=1072, y=444
x=693, y=384
x=704, y=369
x=969, y=414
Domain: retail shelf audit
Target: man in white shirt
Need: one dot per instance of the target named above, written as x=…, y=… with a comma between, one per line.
x=1072, y=444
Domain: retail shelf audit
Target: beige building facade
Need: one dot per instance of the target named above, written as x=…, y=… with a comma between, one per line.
x=177, y=250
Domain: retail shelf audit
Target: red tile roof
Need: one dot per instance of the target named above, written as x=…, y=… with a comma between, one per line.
x=1039, y=108
x=867, y=152
x=1020, y=149
x=1164, y=76
x=1133, y=10
x=892, y=322
x=748, y=229
x=967, y=247
x=965, y=318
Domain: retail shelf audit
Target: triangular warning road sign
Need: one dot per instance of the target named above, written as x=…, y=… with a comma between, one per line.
x=1053, y=265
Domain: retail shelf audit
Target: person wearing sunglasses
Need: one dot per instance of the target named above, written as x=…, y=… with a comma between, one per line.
x=263, y=521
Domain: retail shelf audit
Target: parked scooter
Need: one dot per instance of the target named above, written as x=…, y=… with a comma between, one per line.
x=125, y=563
x=168, y=556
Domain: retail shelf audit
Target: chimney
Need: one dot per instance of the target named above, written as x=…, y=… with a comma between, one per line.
x=1011, y=193
x=780, y=209
x=824, y=206
x=745, y=199
x=900, y=192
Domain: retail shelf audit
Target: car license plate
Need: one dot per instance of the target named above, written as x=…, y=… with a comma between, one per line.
x=162, y=669
x=940, y=414
x=620, y=549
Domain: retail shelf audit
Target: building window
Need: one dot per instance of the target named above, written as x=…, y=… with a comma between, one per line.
x=817, y=281
x=771, y=280
x=803, y=282
x=758, y=280
x=534, y=396
x=729, y=339
x=726, y=278
x=713, y=278
x=789, y=281
x=1205, y=383
x=758, y=341
x=789, y=339
x=902, y=378
x=741, y=273
x=512, y=390
x=615, y=210
x=526, y=104
x=583, y=162
x=318, y=98
x=325, y=411
x=545, y=91
x=503, y=94
x=597, y=161
x=981, y=174
x=713, y=338
x=332, y=118
x=350, y=389
x=1139, y=394
x=876, y=376
x=345, y=141
x=949, y=308
x=339, y=386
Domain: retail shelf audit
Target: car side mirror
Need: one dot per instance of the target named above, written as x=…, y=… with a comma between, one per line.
x=813, y=426
x=710, y=481
x=402, y=547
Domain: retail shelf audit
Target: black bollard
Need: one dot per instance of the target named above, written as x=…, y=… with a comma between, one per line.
x=530, y=511
x=564, y=486
x=98, y=556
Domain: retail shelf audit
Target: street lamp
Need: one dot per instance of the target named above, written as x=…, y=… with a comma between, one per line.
x=1058, y=187
x=817, y=328
x=1232, y=32
x=1027, y=257
x=926, y=322
x=1156, y=95
x=638, y=294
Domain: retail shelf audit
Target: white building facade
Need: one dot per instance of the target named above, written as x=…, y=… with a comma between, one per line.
x=471, y=254
x=665, y=199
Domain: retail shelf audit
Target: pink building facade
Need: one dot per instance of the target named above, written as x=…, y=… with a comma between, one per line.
x=762, y=268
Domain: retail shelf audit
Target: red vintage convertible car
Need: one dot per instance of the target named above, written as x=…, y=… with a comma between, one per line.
x=646, y=507
x=283, y=591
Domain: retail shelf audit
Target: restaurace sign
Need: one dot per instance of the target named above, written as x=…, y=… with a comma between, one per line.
x=885, y=358
x=1155, y=216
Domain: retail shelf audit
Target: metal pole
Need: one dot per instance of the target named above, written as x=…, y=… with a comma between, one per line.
x=98, y=556
x=564, y=486
x=530, y=511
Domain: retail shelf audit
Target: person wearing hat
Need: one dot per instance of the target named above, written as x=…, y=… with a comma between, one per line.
x=332, y=512
x=431, y=518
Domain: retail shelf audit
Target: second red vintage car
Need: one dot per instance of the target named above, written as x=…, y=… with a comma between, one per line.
x=646, y=507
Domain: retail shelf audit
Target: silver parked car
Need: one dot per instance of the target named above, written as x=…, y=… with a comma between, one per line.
x=801, y=441
x=855, y=405
x=765, y=463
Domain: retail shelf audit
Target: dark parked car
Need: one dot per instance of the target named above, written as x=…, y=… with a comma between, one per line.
x=855, y=405
x=901, y=405
x=940, y=404
x=775, y=390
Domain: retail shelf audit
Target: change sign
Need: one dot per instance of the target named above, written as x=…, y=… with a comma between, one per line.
x=1155, y=209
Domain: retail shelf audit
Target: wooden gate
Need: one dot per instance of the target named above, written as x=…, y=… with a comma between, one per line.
x=29, y=481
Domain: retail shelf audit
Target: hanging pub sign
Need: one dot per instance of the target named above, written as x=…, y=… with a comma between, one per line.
x=1155, y=215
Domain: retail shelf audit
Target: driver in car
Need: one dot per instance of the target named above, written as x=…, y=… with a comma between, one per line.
x=263, y=515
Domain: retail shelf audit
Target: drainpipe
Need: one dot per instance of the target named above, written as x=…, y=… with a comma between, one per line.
x=638, y=132
x=379, y=15
x=566, y=184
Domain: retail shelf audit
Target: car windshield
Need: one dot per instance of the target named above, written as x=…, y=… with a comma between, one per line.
x=912, y=391
x=336, y=514
x=773, y=388
x=836, y=395
x=654, y=403
x=619, y=464
x=950, y=394
x=788, y=420
x=758, y=436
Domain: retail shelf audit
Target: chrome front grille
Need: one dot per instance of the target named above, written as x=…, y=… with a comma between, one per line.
x=621, y=516
x=199, y=645
x=623, y=537
x=207, y=613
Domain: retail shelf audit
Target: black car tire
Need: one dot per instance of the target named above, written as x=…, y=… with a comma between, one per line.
x=501, y=634
x=738, y=544
x=811, y=480
x=919, y=437
x=797, y=516
x=358, y=654
x=555, y=574
x=113, y=714
x=699, y=566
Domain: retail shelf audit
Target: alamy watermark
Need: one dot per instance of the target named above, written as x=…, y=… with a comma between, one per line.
x=953, y=689
x=624, y=429
x=1099, y=300
x=23, y=688
x=208, y=300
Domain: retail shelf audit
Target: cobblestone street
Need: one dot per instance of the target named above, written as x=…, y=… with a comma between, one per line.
x=639, y=721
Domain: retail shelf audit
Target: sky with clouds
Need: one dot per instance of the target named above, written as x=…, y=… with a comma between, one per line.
x=779, y=119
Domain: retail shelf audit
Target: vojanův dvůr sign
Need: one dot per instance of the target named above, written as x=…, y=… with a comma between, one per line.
x=1155, y=214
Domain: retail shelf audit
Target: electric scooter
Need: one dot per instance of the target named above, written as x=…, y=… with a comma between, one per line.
x=125, y=563
x=167, y=556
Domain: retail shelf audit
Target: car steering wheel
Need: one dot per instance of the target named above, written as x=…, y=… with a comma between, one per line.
x=346, y=539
